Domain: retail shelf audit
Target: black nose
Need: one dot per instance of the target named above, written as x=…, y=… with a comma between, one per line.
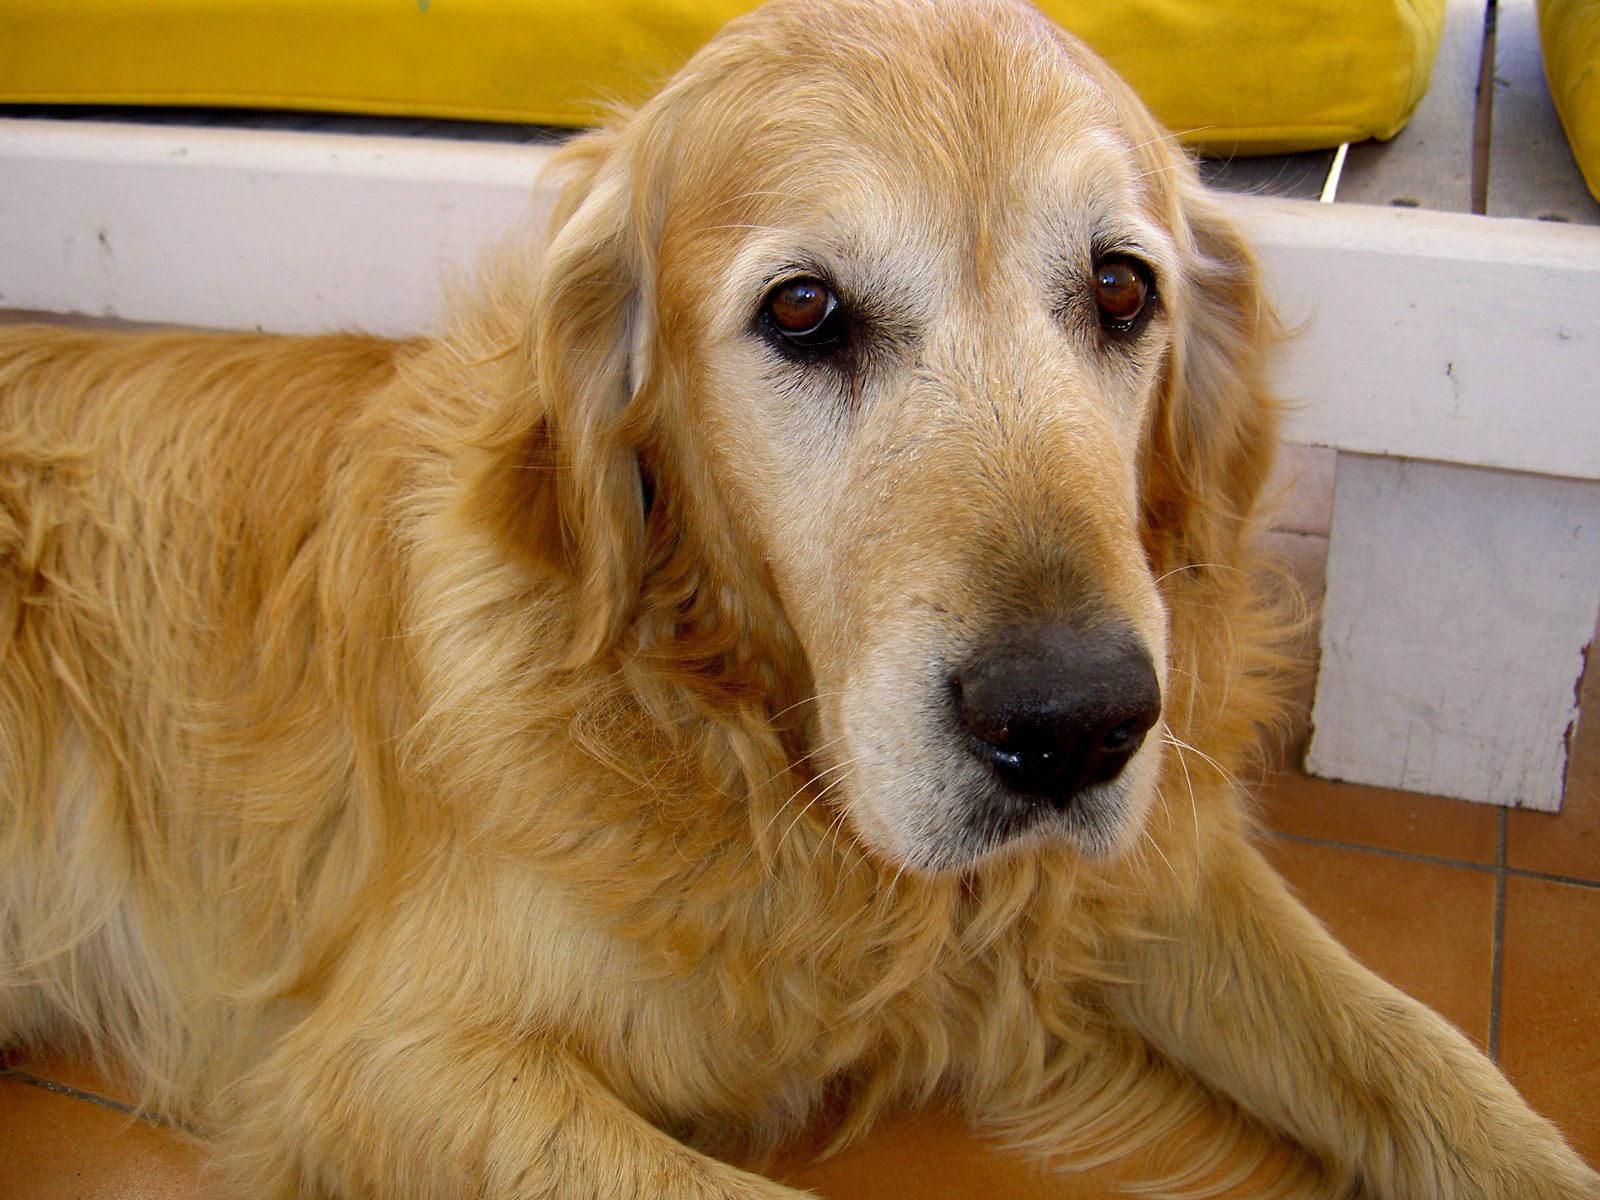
x=1056, y=710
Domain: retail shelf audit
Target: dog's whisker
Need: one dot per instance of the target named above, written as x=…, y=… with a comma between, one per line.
x=804, y=809
x=1195, y=566
x=1148, y=838
x=750, y=228
x=1181, y=747
x=758, y=194
x=815, y=778
x=815, y=698
x=821, y=793
x=798, y=767
x=838, y=769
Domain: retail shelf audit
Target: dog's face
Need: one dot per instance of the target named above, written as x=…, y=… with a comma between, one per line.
x=905, y=306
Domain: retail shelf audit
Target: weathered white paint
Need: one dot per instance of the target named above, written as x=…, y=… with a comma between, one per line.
x=1459, y=602
x=1438, y=335
x=249, y=229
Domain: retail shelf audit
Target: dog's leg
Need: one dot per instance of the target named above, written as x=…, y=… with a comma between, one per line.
x=430, y=1110
x=1242, y=987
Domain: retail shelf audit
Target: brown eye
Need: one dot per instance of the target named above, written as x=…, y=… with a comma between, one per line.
x=805, y=311
x=1121, y=291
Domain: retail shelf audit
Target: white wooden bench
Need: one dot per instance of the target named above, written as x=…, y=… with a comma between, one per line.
x=1450, y=356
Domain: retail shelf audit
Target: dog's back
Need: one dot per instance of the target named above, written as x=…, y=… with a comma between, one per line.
x=164, y=567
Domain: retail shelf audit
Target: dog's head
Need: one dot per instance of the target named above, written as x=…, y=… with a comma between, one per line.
x=892, y=355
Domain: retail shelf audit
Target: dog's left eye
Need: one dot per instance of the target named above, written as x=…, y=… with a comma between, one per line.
x=805, y=312
x=1121, y=291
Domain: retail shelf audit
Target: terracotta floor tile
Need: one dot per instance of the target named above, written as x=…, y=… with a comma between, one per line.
x=1569, y=843
x=1425, y=927
x=1550, y=1004
x=1292, y=802
x=1565, y=843
x=71, y=1068
x=55, y=1147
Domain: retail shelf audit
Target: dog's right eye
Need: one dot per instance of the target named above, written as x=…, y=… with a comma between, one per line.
x=805, y=312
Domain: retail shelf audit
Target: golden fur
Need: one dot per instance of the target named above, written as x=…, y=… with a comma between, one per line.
x=499, y=764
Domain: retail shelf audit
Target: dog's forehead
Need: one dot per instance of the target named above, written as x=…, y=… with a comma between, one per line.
x=919, y=113
x=929, y=87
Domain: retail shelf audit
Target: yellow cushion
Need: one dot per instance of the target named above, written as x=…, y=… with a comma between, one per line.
x=1230, y=76
x=1569, y=34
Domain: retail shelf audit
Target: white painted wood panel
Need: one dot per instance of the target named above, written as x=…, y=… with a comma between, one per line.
x=1438, y=335
x=249, y=229
x=1459, y=603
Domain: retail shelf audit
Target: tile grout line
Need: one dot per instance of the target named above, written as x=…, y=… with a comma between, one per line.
x=1497, y=953
x=66, y=1089
x=1437, y=860
x=1548, y=877
x=73, y=1093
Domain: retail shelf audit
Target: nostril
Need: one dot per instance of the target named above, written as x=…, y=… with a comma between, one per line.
x=982, y=721
x=1124, y=736
x=1117, y=744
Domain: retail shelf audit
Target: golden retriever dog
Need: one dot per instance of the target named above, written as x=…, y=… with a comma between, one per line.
x=782, y=654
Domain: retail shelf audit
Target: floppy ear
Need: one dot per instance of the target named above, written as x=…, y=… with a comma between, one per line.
x=1213, y=430
x=1209, y=452
x=555, y=476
